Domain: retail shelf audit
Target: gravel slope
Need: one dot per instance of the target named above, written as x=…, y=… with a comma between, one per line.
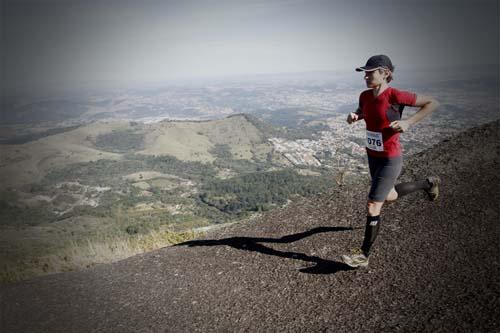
x=435, y=266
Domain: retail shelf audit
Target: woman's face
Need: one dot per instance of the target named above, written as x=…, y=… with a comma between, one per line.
x=375, y=78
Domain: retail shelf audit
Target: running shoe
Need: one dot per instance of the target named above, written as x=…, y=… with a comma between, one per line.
x=433, y=192
x=356, y=259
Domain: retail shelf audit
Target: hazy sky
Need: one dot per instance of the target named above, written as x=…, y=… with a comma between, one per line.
x=69, y=42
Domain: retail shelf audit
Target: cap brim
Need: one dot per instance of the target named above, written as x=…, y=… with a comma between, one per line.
x=367, y=69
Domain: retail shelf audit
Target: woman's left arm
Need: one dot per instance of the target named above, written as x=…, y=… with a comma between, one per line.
x=427, y=105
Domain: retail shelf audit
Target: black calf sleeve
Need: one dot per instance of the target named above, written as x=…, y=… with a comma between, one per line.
x=405, y=188
x=371, y=231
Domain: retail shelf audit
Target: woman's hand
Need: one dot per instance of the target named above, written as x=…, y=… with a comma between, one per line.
x=352, y=117
x=400, y=125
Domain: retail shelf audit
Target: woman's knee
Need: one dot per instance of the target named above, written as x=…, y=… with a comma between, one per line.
x=393, y=195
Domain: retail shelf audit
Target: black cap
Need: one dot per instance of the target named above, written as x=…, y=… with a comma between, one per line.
x=377, y=61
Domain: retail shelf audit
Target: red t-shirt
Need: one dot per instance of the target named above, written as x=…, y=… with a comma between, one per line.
x=378, y=113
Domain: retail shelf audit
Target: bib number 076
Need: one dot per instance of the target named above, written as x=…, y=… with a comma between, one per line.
x=374, y=141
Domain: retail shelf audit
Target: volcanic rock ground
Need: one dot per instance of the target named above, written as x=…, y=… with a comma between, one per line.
x=435, y=266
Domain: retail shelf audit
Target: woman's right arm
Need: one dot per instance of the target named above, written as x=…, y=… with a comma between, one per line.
x=354, y=116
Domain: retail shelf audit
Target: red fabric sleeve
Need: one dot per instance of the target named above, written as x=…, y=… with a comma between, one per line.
x=404, y=97
x=360, y=104
x=359, y=111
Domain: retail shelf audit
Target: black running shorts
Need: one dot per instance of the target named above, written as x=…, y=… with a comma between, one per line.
x=384, y=172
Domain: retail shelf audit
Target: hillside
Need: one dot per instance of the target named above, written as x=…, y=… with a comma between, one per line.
x=29, y=162
x=195, y=140
x=435, y=266
x=70, y=191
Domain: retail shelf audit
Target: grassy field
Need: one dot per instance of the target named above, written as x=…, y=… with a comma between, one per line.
x=83, y=241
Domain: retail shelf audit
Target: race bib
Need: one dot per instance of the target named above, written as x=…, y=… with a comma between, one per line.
x=374, y=141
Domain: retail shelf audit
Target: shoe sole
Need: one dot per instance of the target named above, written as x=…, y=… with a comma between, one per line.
x=433, y=192
x=351, y=264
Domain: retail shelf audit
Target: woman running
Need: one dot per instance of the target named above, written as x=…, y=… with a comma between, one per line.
x=381, y=107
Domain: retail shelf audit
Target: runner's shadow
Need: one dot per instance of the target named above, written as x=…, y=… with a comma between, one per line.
x=322, y=266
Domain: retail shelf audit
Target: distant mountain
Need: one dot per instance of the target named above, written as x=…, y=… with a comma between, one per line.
x=240, y=136
x=196, y=140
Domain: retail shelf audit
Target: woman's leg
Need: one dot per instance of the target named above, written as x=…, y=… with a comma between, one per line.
x=410, y=187
x=372, y=225
x=392, y=196
x=386, y=171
